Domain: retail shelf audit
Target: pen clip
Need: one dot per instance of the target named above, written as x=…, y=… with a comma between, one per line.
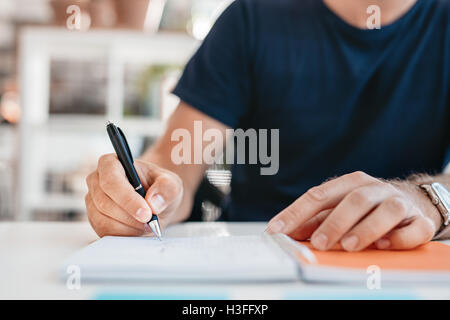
x=125, y=142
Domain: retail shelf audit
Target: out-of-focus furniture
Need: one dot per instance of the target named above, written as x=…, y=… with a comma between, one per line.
x=6, y=194
x=62, y=141
x=136, y=14
x=8, y=156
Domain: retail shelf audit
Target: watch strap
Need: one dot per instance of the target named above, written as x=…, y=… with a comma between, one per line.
x=439, y=197
x=443, y=233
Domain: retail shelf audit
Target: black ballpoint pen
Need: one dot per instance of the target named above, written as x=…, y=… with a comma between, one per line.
x=123, y=152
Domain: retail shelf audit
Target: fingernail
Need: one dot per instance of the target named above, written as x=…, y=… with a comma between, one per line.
x=320, y=241
x=143, y=215
x=383, y=244
x=349, y=243
x=275, y=226
x=157, y=203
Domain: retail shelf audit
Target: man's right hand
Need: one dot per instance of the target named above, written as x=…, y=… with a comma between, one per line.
x=115, y=208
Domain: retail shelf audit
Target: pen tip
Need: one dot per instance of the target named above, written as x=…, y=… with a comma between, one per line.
x=154, y=226
x=108, y=123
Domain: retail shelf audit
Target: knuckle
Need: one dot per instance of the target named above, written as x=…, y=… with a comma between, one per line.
x=359, y=175
x=317, y=193
x=379, y=183
x=358, y=198
x=89, y=179
x=362, y=178
x=291, y=212
x=171, y=185
x=397, y=206
x=105, y=159
x=102, y=160
x=389, y=186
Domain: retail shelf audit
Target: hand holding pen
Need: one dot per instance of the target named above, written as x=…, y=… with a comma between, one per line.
x=125, y=156
x=113, y=205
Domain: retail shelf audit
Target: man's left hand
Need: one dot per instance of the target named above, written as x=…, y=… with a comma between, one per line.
x=357, y=210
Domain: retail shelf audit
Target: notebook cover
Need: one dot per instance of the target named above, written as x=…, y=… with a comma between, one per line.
x=433, y=256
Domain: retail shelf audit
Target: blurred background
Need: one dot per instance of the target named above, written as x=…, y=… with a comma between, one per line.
x=68, y=66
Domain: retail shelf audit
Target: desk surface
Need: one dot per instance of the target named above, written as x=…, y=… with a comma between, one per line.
x=31, y=255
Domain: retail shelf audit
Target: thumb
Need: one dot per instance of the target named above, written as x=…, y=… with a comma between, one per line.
x=164, y=191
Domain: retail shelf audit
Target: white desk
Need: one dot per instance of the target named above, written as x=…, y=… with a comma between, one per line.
x=31, y=255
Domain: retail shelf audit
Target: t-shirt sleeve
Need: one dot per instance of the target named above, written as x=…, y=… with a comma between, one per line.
x=216, y=80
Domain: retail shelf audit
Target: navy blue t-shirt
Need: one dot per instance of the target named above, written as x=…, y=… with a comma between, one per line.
x=343, y=98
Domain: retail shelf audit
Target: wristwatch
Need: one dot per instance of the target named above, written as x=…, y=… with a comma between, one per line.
x=440, y=197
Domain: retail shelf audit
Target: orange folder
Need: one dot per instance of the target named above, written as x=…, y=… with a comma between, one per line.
x=427, y=263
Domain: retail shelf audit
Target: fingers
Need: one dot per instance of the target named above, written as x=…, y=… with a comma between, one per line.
x=307, y=229
x=383, y=219
x=316, y=200
x=165, y=191
x=419, y=231
x=113, y=182
x=366, y=211
x=105, y=205
x=104, y=225
x=357, y=204
x=115, y=208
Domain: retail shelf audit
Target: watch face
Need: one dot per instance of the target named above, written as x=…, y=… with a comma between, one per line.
x=444, y=197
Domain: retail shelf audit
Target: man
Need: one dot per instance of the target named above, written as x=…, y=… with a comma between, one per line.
x=366, y=107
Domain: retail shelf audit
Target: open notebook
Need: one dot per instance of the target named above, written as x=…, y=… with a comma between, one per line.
x=252, y=258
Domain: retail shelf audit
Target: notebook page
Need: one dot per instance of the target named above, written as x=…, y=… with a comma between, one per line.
x=219, y=229
x=231, y=257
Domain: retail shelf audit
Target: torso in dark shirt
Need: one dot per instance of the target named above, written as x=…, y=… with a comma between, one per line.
x=344, y=99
